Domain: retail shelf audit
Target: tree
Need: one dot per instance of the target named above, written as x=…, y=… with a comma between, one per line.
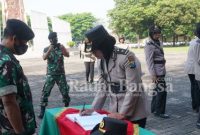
x=80, y=23
x=177, y=17
x=49, y=24
x=133, y=17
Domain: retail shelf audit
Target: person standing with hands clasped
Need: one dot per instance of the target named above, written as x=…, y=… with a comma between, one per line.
x=120, y=79
x=16, y=108
x=196, y=51
x=89, y=61
x=55, y=72
x=156, y=65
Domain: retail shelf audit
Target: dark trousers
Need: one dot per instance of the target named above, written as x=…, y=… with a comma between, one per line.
x=141, y=123
x=195, y=92
x=159, y=98
x=89, y=66
x=198, y=82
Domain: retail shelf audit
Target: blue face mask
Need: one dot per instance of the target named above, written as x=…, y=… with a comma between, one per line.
x=20, y=49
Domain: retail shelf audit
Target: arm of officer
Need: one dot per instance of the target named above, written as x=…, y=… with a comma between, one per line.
x=101, y=95
x=47, y=52
x=8, y=91
x=133, y=81
x=149, y=53
x=65, y=52
x=197, y=52
x=13, y=112
x=99, y=99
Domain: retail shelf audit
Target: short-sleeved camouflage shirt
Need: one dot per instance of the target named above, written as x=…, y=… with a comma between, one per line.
x=13, y=80
x=55, y=61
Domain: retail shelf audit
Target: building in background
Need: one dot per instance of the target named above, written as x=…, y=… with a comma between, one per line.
x=39, y=25
x=38, y=22
x=13, y=9
x=63, y=30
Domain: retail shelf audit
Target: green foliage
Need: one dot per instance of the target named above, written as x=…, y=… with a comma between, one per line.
x=49, y=24
x=28, y=20
x=178, y=16
x=133, y=17
x=71, y=43
x=80, y=23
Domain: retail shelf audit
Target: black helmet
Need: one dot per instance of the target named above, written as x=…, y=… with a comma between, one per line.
x=154, y=30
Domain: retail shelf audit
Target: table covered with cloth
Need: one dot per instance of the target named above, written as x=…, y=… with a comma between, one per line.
x=55, y=123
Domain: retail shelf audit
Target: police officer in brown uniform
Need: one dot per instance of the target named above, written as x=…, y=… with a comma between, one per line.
x=120, y=79
x=156, y=66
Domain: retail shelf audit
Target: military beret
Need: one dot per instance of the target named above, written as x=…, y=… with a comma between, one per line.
x=20, y=29
x=52, y=35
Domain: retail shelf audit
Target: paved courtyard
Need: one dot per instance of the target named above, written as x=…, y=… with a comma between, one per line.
x=182, y=121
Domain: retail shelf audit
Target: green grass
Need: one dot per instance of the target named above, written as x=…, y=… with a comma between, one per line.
x=179, y=49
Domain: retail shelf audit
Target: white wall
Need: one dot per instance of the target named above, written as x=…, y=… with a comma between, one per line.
x=63, y=30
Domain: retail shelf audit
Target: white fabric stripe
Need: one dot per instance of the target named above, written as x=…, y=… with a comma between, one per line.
x=8, y=90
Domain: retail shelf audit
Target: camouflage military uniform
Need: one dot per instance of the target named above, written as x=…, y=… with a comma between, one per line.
x=13, y=80
x=55, y=73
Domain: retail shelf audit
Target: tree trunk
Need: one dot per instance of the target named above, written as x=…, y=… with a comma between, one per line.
x=162, y=39
x=174, y=38
x=138, y=40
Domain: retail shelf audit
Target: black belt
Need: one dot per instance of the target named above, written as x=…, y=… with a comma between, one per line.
x=159, y=61
x=116, y=88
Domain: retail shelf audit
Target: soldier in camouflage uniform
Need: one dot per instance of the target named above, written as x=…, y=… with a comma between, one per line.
x=55, y=71
x=16, y=108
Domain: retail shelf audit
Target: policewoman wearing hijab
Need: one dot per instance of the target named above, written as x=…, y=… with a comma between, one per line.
x=196, y=49
x=120, y=79
x=16, y=108
x=156, y=65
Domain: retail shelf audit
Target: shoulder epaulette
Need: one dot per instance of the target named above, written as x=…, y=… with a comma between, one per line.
x=198, y=40
x=121, y=51
x=149, y=42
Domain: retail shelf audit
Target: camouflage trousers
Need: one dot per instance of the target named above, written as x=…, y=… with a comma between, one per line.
x=60, y=80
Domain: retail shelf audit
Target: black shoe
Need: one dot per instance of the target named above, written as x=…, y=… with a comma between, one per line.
x=42, y=111
x=91, y=81
x=66, y=104
x=164, y=116
x=196, y=110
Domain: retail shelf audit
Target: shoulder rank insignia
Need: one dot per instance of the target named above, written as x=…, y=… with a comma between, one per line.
x=131, y=62
x=121, y=51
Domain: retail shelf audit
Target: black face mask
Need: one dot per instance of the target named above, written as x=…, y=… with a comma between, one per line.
x=20, y=49
x=54, y=41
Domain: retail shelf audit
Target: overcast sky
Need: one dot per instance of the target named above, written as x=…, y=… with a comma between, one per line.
x=98, y=8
